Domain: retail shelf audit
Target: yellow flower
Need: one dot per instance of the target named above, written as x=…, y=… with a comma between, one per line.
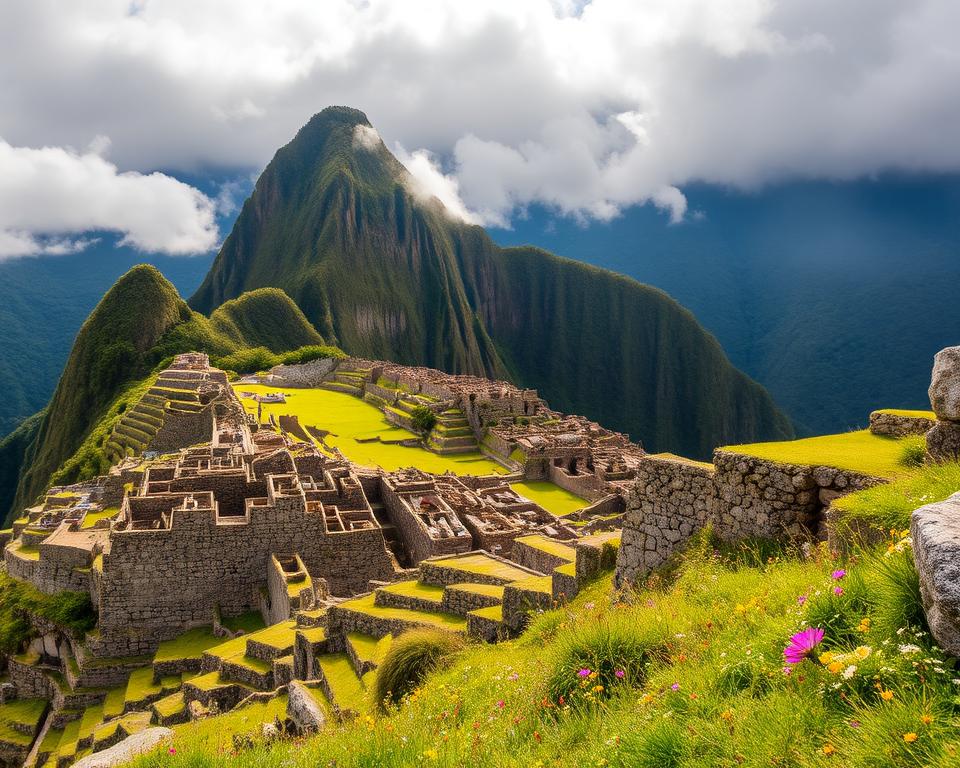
x=430, y=754
x=862, y=652
x=647, y=698
x=864, y=624
x=826, y=657
x=886, y=695
x=828, y=749
x=926, y=719
x=910, y=737
x=835, y=667
x=597, y=688
x=726, y=715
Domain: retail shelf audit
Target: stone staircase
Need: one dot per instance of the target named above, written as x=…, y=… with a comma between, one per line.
x=347, y=380
x=452, y=434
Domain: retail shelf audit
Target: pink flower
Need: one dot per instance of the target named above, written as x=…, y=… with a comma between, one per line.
x=838, y=590
x=802, y=644
x=584, y=673
x=788, y=670
x=837, y=575
x=675, y=687
x=500, y=704
x=172, y=751
x=514, y=676
x=619, y=673
x=801, y=600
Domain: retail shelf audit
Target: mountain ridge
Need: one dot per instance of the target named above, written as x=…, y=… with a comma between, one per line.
x=336, y=221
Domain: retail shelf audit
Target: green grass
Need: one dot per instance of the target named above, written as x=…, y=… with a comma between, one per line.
x=556, y=500
x=245, y=622
x=215, y=734
x=887, y=507
x=701, y=656
x=858, y=451
x=492, y=612
x=92, y=518
x=348, y=691
x=280, y=636
x=170, y=705
x=550, y=546
x=484, y=565
x=19, y=600
x=190, y=645
x=24, y=712
x=439, y=619
x=369, y=648
x=908, y=414
x=489, y=590
x=141, y=684
x=349, y=417
x=411, y=657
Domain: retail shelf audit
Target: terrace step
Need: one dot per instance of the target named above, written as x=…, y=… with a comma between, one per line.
x=364, y=616
x=487, y=624
x=213, y=688
x=473, y=567
x=170, y=710
x=465, y=597
x=366, y=652
x=341, y=684
x=541, y=553
x=412, y=595
x=338, y=386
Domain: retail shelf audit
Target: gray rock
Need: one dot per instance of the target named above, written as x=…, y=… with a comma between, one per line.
x=943, y=441
x=303, y=709
x=945, y=384
x=935, y=529
x=126, y=750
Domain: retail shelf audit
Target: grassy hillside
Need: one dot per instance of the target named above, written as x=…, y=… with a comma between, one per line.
x=690, y=672
x=137, y=326
x=386, y=274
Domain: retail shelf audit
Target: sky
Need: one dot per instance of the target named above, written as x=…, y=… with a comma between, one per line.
x=115, y=116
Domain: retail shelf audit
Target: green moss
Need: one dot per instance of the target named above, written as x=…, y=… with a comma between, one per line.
x=23, y=712
x=416, y=589
x=279, y=636
x=369, y=648
x=141, y=685
x=348, y=691
x=859, y=451
x=488, y=590
x=170, y=705
x=72, y=611
x=491, y=612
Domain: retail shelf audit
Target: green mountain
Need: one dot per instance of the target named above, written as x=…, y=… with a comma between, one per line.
x=140, y=323
x=336, y=222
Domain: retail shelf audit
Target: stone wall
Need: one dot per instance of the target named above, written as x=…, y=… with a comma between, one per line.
x=891, y=424
x=155, y=583
x=935, y=532
x=740, y=496
x=305, y=375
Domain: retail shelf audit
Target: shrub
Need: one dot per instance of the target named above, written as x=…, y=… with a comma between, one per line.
x=423, y=419
x=914, y=452
x=411, y=657
x=71, y=611
x=592, y=662
x=248, y=360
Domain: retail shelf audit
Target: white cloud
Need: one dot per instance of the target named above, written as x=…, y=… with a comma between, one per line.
x=587, y=107
x=51, y=193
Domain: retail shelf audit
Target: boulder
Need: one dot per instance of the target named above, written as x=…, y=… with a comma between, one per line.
x=945, y=384
x=943, y=441
x=935, y=529
x=124, y=751
x=303, y=709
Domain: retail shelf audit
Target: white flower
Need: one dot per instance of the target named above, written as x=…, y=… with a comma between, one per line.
x=907, y=648
x=849, y=671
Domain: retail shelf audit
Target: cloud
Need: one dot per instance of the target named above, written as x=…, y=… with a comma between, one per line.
x=428, y=180
x=47, y=195
x=366, y=137
x=586, y=107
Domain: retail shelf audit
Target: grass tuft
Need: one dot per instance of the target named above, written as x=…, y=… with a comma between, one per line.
x=411, y=657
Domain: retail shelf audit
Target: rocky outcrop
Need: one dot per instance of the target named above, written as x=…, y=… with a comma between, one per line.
x=126, y=750
x=303, y=708
x=943, y=441
x=902, y=424
x=945, y=384
x=935, y=530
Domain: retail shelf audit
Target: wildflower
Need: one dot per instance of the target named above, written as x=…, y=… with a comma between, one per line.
x=726, y=715
x=864, y=625
x=801, y=600
x=835, y=667
x=910, y=737
x=584, y=673
x=619, y=673
x=501, y=704
x=862, y=652
x=838, y=591
x=854, y=723
x=886, y=695
x=926, y=719
x=537, y=737
x=826, y=657
x=430, y=754
x=513, y=677
x=908, y=648
x=838, y=574
x=675, y=687
x=802, y=644
x=647, y=698
x=787, y=670
x=589, y=606
x=829, y=749
x=849, y=671
x=172, y=750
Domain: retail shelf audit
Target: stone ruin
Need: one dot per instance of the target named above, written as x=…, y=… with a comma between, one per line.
x=943, y=440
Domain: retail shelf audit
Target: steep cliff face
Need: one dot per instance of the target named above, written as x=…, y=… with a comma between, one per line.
x=335, y=220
